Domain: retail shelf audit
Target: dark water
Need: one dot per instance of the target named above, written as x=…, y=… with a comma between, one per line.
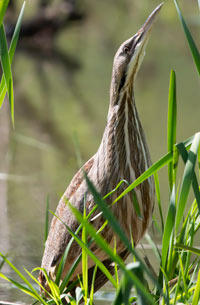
x=58, y=106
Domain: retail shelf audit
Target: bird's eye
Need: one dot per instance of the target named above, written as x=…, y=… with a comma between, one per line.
x=126, y=50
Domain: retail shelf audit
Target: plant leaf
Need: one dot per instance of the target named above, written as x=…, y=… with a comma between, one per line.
x=151, y=170
x=192, y=45
x=124, y=290
x=184, y=155
x=169, y=225
x=11, y=52
x=171, y=126
x=157, y=187
x=188, y=248
x=89, y=252
x=3, y=7
x=116, y=228
x=195, y=300
x=19, y=274
x=187, y=178
x=5, y=62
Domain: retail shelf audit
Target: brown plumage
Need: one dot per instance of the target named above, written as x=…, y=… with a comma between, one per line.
x=123, y=154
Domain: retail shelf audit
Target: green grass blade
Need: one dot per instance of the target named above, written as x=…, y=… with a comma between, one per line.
x=3, y=7
x=107, y=249
x=89, y=252
x=196, y=297
x=136, y=204
x=182, y=273
x=62, y=262
x=15, y=36
x=24, y=279
x=123, y=293
x=5, y=62
x=53, y=287
x=116, y=227
x=153, y=246
x=116, y=269
x=72, y=285
x=184, y=155
x=110, y=218
x=178, y=288
x=169, y=225
x=39, y=284
x=70, y=273
x=35, y=280
x=188, y=248
x=3, y=262
x=175, y=162
x=116, y=188
x=126, y=284
x=157, y=187
x=151, y=170
x=19, y=286
x=171, y=126
x=187, y=178
x=11, y=52
x=92, y=286
x=84, y=260
x=192, y=45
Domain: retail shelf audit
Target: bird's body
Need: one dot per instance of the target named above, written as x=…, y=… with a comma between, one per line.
x=122, y=155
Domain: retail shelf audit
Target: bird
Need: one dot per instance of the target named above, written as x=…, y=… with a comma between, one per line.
x=123, y=155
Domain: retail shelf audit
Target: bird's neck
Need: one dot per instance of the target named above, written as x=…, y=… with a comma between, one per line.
x=123, y=149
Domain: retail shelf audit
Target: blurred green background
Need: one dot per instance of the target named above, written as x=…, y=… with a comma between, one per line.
x=62, y=109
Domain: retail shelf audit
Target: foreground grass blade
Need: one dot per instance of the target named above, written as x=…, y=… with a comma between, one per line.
x=18, y=285
x=62, y=262
x=89, y=252
x=37, y=281
x=5, y=62
x=85, y=260
x=92, y=286
x=157, y=187
x=168, y=229
x=188, y=248
x=187, y=178
x=3, y=7
x=195, y=300
x=11, y=52
x=124, y=290
x=184, y=155
x=69, y=274
x=3, y=262
x=31, y=291
x=116, y=227
x=151, y=170
x=171, y=126
x=114, y=257
x=192, y=45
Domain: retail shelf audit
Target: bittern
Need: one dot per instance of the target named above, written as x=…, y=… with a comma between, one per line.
x=122, y=155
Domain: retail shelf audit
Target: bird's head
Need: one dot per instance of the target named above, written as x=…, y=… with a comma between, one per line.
x=129, y=57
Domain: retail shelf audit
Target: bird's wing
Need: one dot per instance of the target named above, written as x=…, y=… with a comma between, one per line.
x=58, y=236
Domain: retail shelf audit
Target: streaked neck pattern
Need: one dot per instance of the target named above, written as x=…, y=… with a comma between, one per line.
x=123, y=154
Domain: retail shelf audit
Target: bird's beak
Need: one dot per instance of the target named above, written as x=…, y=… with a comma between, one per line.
x=143, y=34
x=150, y=21
x=138, y=44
